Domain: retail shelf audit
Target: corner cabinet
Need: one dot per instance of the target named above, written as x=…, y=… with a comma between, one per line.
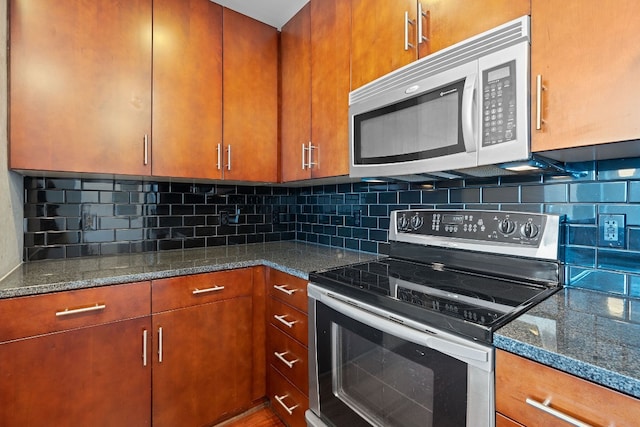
x=531, y=394
x=584, y=93
x=80, y=86
x=82, y=358
x=315, y=70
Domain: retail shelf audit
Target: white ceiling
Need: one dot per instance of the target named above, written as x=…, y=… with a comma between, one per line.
x=273, y=12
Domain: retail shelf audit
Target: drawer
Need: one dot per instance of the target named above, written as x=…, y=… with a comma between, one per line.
x=187, y=291
x=289, y=289
x=286, y=400
x=289, y=357
x=41, y=314
x=289, y=320
x=502, y=421
x=519, y=379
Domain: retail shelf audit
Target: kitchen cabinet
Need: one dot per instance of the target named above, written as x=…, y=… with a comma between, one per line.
x=315, y=64
x=76, y=357
x=202, y=364
x=250, y=93
x=287, y=354
x=388, y=35
x=80, y=85
x=187, y=89
x=587, y=92
x=521, y=384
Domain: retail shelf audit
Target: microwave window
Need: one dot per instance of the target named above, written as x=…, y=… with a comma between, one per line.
x=426, y=126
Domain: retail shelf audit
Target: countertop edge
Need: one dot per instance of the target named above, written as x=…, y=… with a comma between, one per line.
x=579, y=368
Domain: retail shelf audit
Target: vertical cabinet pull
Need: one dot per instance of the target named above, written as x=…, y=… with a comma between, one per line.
x=160, y=345
x=219, y=163
x=144, y=347
x=284, y=289
x=280, y=318
x=146, y=149
x=308, y=151
x=280, y=400
x=311, y=148
x=422, y=17
x=407, y=21
x=229, y=158
x=539, y=89
x=289, y=363
x=304, y=148
x=545, y=407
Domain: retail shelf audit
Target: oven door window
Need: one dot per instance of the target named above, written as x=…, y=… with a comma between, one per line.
x=426, y=126
x=369, y=377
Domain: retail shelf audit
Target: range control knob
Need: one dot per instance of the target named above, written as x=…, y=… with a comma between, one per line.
x=506, y=226
x=403, y=223
x=416, y=221
x=529, y=230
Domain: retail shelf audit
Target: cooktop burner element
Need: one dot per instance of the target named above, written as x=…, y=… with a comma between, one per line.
x=468, y=271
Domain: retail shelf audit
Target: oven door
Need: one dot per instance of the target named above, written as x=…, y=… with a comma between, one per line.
x=366, y=370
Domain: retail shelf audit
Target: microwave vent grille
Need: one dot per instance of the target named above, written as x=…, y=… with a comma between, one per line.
x=504, y=36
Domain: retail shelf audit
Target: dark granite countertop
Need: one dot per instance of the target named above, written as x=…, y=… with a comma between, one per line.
x=593, y=335
x=295, y=258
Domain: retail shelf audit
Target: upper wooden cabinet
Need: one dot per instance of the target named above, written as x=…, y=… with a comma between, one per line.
x=250, y=92
x=187, y=88
x=80, y=85
x=388, y=35
x=315, y=62
x=589, y=88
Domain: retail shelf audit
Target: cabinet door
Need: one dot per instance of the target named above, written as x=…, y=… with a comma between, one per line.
x=378, y=38
x=591, y=87
x=330, y=85
x=295, y=117
x=92, y=376
x=187, y=88
x=250, y=92
x=202, y=372
x=451, y=21
x=80, y=85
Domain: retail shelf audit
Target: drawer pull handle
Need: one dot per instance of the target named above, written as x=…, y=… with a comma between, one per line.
x=280, y=400
x=160, y=343
x=144, y=347
x=283, y=288
x=545, y=407
x=289, y=363
x=280, y=318
x=70, y=311
x=197, y=291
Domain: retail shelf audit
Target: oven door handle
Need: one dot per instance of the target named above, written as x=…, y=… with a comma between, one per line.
x=441, y=341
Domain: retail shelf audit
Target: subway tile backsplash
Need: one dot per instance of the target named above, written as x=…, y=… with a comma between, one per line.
x=65, y=218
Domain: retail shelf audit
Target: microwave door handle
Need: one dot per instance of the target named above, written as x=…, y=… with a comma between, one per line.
x=468, y=98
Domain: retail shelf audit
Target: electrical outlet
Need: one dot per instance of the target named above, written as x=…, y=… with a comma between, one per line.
x=611, y=230
x=89, y=221
x=224, y=218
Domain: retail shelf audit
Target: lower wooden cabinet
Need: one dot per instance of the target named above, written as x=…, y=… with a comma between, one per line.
x=522, y=386
x=76, y=364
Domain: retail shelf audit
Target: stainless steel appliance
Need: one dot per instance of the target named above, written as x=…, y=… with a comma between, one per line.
x=406, y=340
x=459, y=108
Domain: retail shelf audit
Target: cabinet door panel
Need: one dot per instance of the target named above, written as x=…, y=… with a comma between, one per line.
x=591, y=89
x=205, y=371
x=86, y=377
x=187, y=88
x=80, y=92
x=250, y=91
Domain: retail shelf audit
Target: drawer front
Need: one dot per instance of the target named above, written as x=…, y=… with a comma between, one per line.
x=519, y=379
x=289, y=289
x=40, y=314
x=289, y=357
x=187, y=291
x=288, y=402
x=502, y=421
x=289, y=320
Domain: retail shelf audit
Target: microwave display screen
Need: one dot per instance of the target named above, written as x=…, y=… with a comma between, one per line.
x=500, y=73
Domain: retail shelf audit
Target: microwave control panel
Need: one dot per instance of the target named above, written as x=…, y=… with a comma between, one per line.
x=499, y=104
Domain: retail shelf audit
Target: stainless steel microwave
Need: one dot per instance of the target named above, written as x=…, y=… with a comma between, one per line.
x=462, y=107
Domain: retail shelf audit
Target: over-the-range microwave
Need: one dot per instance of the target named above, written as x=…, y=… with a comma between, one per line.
x=459, y=108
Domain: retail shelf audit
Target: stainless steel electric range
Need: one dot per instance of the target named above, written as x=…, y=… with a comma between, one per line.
x=406, y=340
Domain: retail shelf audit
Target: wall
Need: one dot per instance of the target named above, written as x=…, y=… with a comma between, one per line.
x=131, y=216
x=10, y=183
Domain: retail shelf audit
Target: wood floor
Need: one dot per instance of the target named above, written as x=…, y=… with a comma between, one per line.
x=262, y=416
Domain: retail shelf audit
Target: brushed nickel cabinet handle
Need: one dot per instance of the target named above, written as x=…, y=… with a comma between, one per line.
x=144, y=347
x=539, y=89
x=160, y=345
x=545, y=407
x=407, y=22
x=311, y=148
x=289, y=363
x=70, y=311
x=219, y=163
x=280, y=318
x=304, y=148
x=229, y=158
x=422, y=16
x=280, y=400
x=284, y=289
x=204, y=291
x=146, y=149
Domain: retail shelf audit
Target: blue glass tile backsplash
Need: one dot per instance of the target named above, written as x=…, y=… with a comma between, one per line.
x=65, y=218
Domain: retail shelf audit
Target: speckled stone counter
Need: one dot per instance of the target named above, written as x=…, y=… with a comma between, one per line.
x=295, y=258
x=592, y=335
